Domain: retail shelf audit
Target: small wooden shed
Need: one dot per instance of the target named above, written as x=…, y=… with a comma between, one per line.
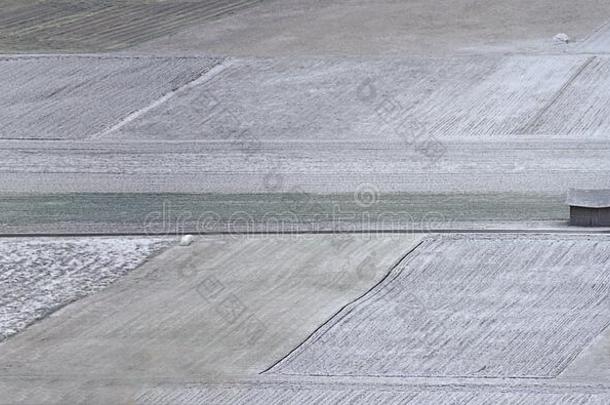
x=589, y=207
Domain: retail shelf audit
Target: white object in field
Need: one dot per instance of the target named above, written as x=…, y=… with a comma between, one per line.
x=186, y=240
x=562, y=37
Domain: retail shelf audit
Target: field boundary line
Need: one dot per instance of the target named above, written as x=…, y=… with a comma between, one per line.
x=346, y=309
x=595, y=34
x=203, y=78
x=531, y=124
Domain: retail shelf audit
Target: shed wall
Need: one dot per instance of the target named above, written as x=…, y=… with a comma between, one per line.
x=581, y=216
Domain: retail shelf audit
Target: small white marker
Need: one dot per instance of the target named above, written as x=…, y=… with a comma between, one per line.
x=186, y=240
x=561, y=37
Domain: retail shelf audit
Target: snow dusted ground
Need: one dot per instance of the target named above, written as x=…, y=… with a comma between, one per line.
x=38, y=276
x=79, y=96
x=470, y=306
x=323, y=392
x=388, y=27
x=101, y=25
x=465, y=124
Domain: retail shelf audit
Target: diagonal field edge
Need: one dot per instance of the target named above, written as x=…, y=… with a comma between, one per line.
x=345, y=310
x=560, y=366
x=203, y=78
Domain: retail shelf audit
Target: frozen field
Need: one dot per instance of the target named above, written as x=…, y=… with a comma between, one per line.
x=210, y=311
x=599, y=40
x=389, y=27
x=578, y=106
x=531, y=165
x=71, y=25
x=492, y=123
x=75, y=97
x=39, y=276
x=294, y=27
x=309, y=99
x=470, y=307
x=303, y=393
x=460, y=117
x=519, y=317
x=475, y=97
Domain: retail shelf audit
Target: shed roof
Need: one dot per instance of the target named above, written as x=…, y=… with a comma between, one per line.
x=589, y=198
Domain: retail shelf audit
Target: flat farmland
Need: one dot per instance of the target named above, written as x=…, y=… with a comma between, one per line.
x=211, y=125
x=74, y=97
x=478, y=97
x=579, y=106
x=64, y=25
x=474, y=97
x=172, y=315
x=470, y=306
x=319, y=392
x=39, y=276
x=375, y=192
x=526, y=165
x=598, y=41
x=512, y=125
x=170, y=213
x=165, y=333
x=389, y=27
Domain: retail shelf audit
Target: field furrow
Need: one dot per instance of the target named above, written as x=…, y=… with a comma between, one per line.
x=107, y=25
x=318, y=392
x=583, y=109
x=471, y=306
x=39, y=276
x=173, y=21
x=459, y=98
x=76, y=97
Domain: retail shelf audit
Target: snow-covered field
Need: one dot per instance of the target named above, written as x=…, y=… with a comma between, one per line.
x=336, y=393
x=39, y=276
x=496, y=123
x=75, y=97
x=389, y=27
x=326, y=99
x=465, y=98
x=525, y=164
x=470, y=306
x=453, y=112
x=29, y=25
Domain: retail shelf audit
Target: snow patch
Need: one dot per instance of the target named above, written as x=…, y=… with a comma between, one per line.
x=40, y=275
